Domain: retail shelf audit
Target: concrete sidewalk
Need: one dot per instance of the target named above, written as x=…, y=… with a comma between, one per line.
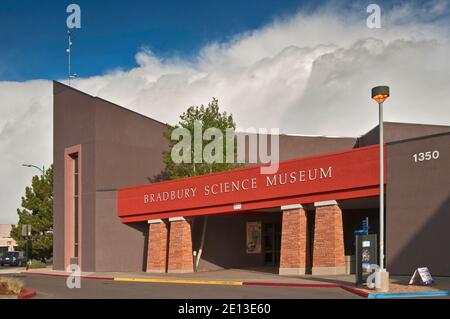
x=11, y=270
x=225, y=276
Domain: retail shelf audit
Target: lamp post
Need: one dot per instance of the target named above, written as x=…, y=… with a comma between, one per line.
x=26, y=232
x=380, y=94
x=42, y=170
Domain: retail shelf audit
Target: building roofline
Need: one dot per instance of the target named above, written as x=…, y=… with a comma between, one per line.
x=107, y=101
x=421, y=124
x=314, y=135
x=405, y=123
x=286, y=134
x=418, y=138
x=361, y=135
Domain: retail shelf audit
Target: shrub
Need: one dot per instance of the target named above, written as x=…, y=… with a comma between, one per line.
x=14, y=285
x=37, y=264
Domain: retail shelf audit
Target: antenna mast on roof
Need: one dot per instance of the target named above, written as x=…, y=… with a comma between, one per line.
x=69, y=50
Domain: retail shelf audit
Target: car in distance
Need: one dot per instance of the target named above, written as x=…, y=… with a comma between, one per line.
x=13, y=258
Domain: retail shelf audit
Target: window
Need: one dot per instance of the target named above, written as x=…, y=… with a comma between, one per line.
x=75, y=201
x=73, y=211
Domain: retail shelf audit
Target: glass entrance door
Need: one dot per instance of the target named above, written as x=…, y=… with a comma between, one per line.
x=272, y=243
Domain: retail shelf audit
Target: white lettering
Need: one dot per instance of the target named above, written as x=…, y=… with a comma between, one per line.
x=244, y=184
x=374, y=19
x=326, y=174
x=74, y=19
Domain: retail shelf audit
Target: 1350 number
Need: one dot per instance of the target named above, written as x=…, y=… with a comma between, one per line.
x=426, y=156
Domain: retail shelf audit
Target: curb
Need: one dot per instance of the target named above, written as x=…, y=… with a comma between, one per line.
x=282, y=284
x=355, y=291
x=410, y=294
x=65, y=275
x=27, y=293
x=154, y=280
x=368, y=295
x=181, y=281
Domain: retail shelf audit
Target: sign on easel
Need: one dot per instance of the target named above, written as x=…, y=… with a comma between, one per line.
x=421, y=276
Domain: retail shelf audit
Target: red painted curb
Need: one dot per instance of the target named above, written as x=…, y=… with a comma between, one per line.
x=97, y=278
x=281, y=284
x=355, y=291
x=27, y=293
x=42, y=274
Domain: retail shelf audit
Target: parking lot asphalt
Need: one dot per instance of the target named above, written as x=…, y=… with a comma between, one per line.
x=55, y=287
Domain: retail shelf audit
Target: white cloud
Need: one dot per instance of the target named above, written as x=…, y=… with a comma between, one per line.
x=25, y=137
x=307, y=74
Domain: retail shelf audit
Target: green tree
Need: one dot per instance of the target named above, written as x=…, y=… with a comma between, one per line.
x=209, y=117
x=37, y=210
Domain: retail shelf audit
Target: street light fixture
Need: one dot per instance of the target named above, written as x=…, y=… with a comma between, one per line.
x=42, y=170
x=380, y=94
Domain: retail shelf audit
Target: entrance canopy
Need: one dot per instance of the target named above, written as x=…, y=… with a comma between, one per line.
x=334, y=176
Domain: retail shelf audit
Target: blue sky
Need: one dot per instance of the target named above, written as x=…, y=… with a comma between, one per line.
x=33, y=33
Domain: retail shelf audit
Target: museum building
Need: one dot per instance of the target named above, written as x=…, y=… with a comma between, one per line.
x=108, y=216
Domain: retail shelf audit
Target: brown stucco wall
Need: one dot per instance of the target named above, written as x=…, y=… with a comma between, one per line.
x=120, y=148
x=418, y=207
x=118, y=246
x=73, y=124
x=128, y=146
x=128, y=150
x=292, y=146
x=400, y=131
x=295, y=146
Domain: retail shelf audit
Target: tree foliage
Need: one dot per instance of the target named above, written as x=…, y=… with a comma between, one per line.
x=210, y=117
x=37, y=210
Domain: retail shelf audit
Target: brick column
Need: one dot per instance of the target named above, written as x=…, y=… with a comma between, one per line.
x=180, y=246
x=328, y=246
x=157, y=246
x=293, y=241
